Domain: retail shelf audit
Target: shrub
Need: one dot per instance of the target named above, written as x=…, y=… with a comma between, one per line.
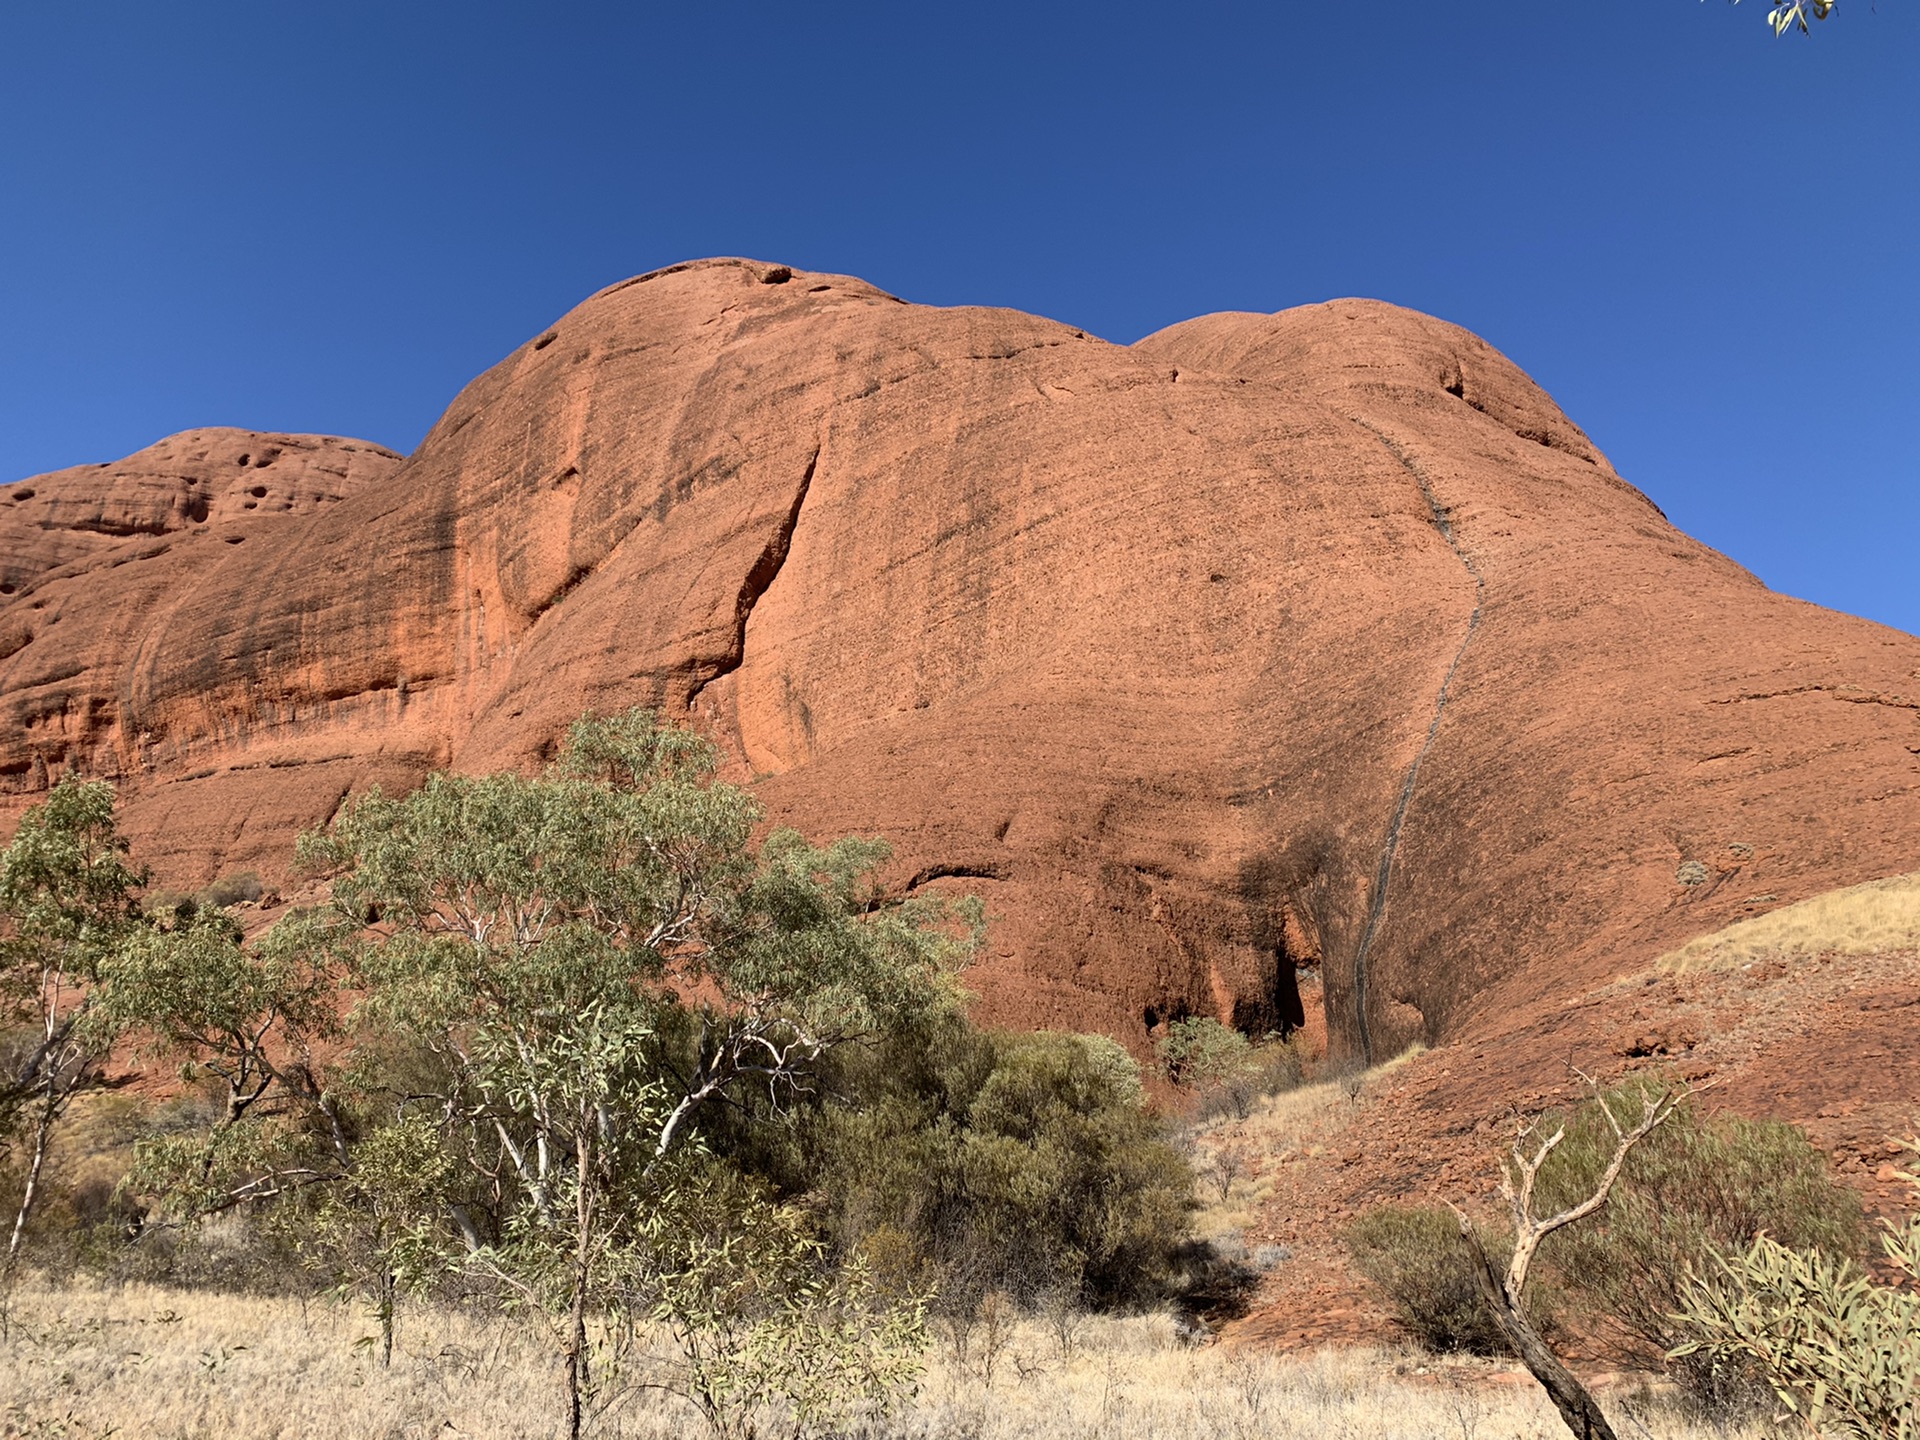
x=1281, y=1064
x=589, y=960
x=1026, y=1165
x=1225, y=1069
x=1414, y=1255
x=1839, y=1351
x=1699, y=1184
x=767, y=1338
x=1200, y=1050
x=238, y=889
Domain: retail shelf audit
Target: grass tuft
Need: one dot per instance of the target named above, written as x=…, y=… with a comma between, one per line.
x=1878, y=916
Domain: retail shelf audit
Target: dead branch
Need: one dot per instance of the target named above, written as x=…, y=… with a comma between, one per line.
x=1506, y=1294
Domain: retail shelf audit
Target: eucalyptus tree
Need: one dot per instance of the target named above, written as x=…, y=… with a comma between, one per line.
x=590, y=958
x=67, y=903
x=259, y=1023
x=250, y=1020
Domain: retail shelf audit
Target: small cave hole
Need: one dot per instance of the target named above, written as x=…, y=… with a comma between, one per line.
x=244, y=461
x=259, y=492
x=1289, y=1013
x=1296, y=953
x=23, y=494
x=233, y=539
x=778, y=275
x=250, y=505
x=816, y=289
x=546, y=339
x=6, y=588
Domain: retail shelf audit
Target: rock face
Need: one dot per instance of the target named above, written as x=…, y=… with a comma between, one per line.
x=1317, y=645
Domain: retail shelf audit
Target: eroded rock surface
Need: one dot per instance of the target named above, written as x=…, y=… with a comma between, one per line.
x=1317, y=641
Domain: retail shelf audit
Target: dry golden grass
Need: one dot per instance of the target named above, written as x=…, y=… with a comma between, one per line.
x=172, y=1365
x=1303, y=1121
x=1860, y=920
x=1295, y=1122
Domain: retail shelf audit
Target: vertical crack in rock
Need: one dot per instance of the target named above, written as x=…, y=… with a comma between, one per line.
x=1383, y=876
x=765, y=570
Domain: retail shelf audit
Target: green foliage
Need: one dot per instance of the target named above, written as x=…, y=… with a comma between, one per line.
x=250, y=1022
x=613, y=1063
x=66, y=905
x=993, y=1163
x=591, y=959
x=1699, y=1184
x=529, y=901
x=1413, y=1254
x=1201, y=1050
x=248, y=1019
x=1225, y=1069
x=1840, y=1351
x=66, y=889
x=1281, y=1063
x=559, y=977
x=769, y=1337
x=197, y=991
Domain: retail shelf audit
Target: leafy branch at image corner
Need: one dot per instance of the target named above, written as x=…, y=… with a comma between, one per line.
x=1785, y=17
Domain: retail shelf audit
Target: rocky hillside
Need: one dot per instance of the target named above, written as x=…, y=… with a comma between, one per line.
x=1311, y=650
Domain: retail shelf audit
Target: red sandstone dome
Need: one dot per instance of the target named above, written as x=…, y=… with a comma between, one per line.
x=1318, y=643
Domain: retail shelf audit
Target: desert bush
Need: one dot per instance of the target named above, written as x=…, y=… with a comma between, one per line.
x=161, y=904
x=1699, y=1184
x=571, y=988
x=1672, y=1193
x=763, y=1333
x=1281, y=1063
x=240, y=888
x=1225, y=1070
x=1024, y=1165
x=1200, y=1050
x=1413, y=1254
x=1838, y=1350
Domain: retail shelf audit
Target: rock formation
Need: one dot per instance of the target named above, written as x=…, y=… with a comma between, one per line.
x=1318, y=644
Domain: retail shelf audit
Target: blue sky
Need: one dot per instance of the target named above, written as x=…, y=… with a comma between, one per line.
x=1705, y=242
